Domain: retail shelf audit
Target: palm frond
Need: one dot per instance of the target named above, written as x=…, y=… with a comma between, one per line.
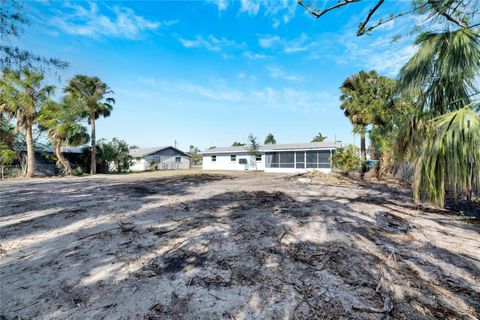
x=444, y=69
x=450, y=159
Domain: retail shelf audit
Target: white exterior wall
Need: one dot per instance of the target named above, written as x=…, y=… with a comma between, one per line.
x=139, y=165
x=300, y=170
x=165, y=159
x=224, y=162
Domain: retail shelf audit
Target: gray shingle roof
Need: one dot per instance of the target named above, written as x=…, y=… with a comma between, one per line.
x=141, y=152
x=50, y=149
x=278, y=147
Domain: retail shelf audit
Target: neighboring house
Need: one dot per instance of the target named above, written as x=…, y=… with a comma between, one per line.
x=161, y=158
x=45, y=158
x=300, y=157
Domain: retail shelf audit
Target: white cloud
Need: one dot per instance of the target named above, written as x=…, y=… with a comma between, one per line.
x=381, y=54
x=373, y=51
x=294, y=99
x=376, y=51
x=289, y=46
x=222, y=5
x=168, y=23
x=251, y=7
x=255, y=56
x=117, y=21
x=269, y=41
x=216, y=94
x=211, y=43
x=280, y=11
x=219, y=93
x=278, y=72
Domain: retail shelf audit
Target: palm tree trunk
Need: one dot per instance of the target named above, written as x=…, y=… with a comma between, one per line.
x=64, y=163
x=30, y=150
x=363, y=150
x=93, y=160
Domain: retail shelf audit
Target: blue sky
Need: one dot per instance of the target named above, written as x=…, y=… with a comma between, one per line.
x=209, y=73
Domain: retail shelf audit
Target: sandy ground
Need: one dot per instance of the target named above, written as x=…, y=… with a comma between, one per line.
x=235, y=246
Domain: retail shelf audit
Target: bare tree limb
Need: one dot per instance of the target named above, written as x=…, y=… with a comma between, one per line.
x=378, y=24
x=321, y=13
x=364, y=28
x=452, y=19
x=443, y=12
x=361, y=27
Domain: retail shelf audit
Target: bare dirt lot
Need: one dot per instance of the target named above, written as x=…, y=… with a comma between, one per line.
x=231, y=245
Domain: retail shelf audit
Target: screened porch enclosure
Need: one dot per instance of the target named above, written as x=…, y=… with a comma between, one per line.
x=319, y=159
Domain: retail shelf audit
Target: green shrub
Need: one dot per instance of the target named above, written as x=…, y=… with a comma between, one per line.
x=153, y=165
x=346, y=159
x=77, y=171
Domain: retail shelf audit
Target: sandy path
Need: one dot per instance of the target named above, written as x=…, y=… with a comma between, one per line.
x=234, y=246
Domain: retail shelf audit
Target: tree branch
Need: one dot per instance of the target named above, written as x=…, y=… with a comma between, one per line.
x=360, y=33
x=443, y=12
x=321, y=13
x=361, y=27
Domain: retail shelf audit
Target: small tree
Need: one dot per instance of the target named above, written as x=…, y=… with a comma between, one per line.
x=270, y=139
x=62, y=122
x=253, y=148
x=319, y=138
x=194, y=154
x=8, y=140
x=114, y=153
x=346, y=159
x=237, y=144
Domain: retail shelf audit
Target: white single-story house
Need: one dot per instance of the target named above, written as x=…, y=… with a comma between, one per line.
x=299, y=157
x=160, y=158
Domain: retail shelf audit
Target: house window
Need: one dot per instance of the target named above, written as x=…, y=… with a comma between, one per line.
x=300, y=159
x=242, y=161
x=233, y=158
x=214, y=158
x=258, y=157
x=287, y=160
x=178, y=159
x=280, y=159
x=318, y=159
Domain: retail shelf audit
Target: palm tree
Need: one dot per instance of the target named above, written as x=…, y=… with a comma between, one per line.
x=442, y=133
x=443, y=71
x=270, y=139
x=91, y=92
x=319, y=138
x=61, y=120
x=450, y=157
x=363, y=97
x=24, y=95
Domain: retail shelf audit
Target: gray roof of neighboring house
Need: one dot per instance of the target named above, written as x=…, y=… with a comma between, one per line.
x=51, y=149
x=141, y=152
x=72, y=149
x=279, y=147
